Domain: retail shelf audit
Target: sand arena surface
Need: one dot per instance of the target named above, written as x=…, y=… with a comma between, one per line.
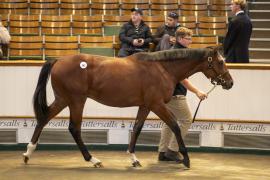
x=62, y=165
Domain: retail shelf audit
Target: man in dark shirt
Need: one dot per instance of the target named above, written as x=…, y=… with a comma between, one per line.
x=164, y=37
x=238, y=36
x=168, y=146
x=135, y=35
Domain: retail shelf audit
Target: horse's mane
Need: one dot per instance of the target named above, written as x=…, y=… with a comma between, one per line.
x=173, y=54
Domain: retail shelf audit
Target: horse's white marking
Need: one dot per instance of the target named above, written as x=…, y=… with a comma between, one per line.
x=133, y=157
x=83, y=65
x=30, y=149
x=94, y=160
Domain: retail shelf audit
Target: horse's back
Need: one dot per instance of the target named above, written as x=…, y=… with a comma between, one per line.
x=120, y=82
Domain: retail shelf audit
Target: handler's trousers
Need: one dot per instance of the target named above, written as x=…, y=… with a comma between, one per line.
x=179, y=107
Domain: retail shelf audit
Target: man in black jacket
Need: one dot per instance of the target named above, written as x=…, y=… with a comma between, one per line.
x=238, y=36
x=164, y=37
x=135, y=35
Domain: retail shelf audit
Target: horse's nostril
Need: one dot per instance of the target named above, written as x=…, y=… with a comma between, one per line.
x=231, y=84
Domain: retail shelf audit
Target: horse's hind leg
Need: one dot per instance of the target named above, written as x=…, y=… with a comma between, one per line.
x=76, y=110
x=54, y=109
x=163, y=113
x=141, y=116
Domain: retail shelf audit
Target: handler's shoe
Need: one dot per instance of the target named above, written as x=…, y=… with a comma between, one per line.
x=173, y=156
x=162, y=157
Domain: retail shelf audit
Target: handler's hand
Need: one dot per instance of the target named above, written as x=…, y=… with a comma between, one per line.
x=201, y=95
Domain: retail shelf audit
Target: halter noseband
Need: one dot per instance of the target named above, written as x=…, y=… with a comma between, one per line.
x=220, y=80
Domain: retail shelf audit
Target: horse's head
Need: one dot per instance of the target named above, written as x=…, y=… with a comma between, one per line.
x=214, y=68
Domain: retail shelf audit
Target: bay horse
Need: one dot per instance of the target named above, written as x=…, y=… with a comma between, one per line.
x=143, y=79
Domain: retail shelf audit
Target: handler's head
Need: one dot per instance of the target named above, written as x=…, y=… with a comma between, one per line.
x=183, y=36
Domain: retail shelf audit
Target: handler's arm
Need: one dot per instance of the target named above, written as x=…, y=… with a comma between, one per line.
x=200, y=94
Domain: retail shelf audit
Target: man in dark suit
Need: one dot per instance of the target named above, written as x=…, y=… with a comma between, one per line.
x=238, y=36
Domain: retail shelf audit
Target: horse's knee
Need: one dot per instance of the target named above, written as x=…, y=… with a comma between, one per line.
x=72, y=129
x=40, y=125
x=138, y=127
x=176, y=129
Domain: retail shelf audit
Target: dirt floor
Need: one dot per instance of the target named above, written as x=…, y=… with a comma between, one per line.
x=62, y=165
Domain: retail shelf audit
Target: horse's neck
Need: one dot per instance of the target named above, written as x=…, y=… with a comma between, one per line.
x=181, y=69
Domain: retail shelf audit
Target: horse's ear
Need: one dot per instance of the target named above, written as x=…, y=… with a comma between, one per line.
x=217, y=49
x=220, y=50
x=211, y=51
x=211, y=47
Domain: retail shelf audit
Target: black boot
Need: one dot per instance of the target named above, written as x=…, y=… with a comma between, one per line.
x=173, y=156
x=162, y=157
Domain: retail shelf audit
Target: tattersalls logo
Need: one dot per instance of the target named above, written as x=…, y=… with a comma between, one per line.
x=100, y=124
x=246, y=127
x=203, y=127
x=10, y=123
x=85, y=124
x=148, y=125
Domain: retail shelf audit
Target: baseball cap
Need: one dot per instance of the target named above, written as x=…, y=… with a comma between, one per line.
x=173, y=15
x=138, y=10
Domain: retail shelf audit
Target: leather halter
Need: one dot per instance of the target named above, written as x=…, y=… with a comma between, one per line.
x=219, y=78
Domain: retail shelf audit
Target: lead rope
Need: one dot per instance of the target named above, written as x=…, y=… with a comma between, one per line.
x=201, y=101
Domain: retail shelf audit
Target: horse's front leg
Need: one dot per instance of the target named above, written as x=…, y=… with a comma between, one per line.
x=141, y=116
x=168, y=117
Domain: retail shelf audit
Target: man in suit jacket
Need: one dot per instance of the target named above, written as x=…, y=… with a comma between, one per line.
x=238, y=36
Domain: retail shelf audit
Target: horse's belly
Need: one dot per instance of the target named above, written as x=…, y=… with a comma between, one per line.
x=117, y=101
x=117, y=97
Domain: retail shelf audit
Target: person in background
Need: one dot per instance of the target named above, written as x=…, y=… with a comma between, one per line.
x=135, y=35
x=4, y=41
x=168, y=146
x=238, y=36
x=164, y=37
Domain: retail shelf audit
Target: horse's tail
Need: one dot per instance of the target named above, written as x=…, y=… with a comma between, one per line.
x=40, y=104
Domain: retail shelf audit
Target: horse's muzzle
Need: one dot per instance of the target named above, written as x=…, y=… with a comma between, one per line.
x=227, y=84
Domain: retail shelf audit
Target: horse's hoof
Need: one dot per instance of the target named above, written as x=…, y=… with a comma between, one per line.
x=98, y=165
x=186, y=163
x=25, y=159
x=136, y=164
